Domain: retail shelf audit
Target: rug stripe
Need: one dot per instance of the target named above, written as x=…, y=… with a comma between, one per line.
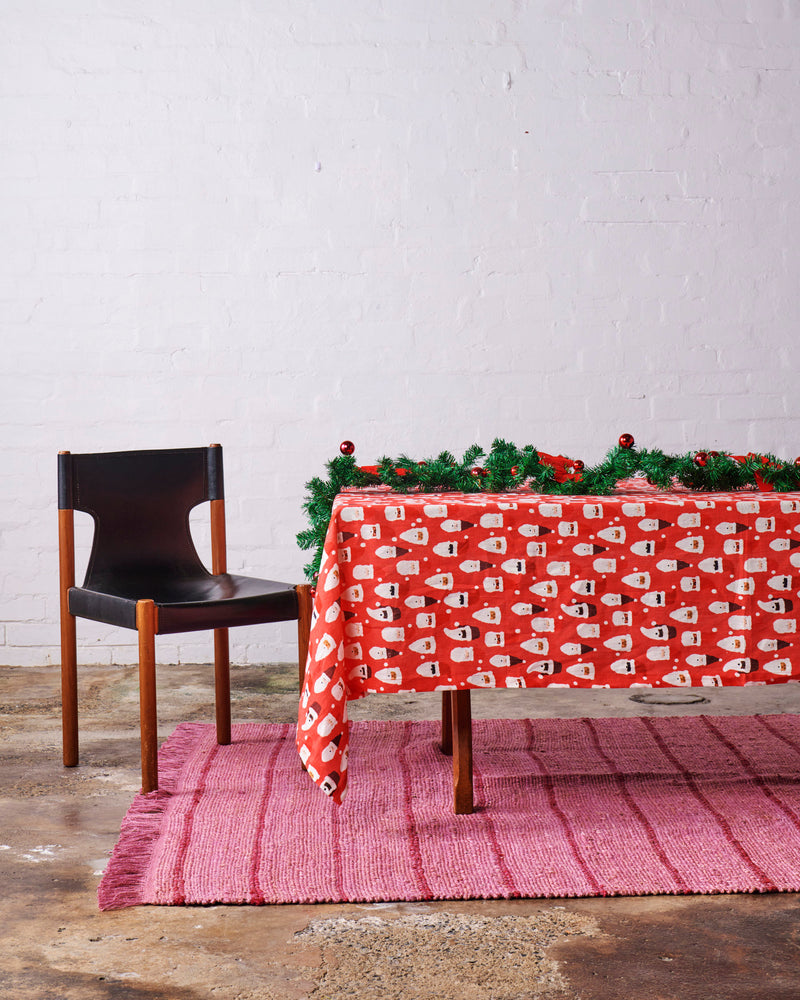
x=376, y=834
x=791, y=813
x=767, y=804
x=649, y=831
x=297, y=841
x=417, y=866
x=766, y=883
x=453, y=849
x=255, y=886
x=186, y=836
x=486, y=815
x=562, y=817
x=794, y=744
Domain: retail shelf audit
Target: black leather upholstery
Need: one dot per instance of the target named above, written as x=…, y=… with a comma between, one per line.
x=142, y=548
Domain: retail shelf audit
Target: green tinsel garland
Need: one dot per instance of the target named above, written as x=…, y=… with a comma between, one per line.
x=507, y=467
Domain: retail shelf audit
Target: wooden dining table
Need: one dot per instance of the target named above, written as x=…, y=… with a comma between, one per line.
x=456, y=592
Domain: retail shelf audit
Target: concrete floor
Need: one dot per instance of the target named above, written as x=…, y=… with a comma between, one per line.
x=59, y=826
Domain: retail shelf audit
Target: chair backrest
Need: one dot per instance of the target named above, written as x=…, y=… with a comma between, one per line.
x=140, y=502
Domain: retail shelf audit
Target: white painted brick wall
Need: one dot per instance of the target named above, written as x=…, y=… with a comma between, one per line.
x=414, y=225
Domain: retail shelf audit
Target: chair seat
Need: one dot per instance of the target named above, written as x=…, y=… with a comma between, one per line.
x=195, y=602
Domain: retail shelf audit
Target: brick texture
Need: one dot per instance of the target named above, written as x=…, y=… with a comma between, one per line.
x=413, y=225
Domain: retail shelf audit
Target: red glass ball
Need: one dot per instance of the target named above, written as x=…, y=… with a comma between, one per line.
x=579, y=465
x=701, y=459
x=797, y=461
x=347, y=447
x=626, y=440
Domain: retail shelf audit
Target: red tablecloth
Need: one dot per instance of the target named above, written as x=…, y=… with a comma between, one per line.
x=429, y=592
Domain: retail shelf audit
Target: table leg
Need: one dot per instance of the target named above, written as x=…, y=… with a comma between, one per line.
x=447, y=724
x=462, y=752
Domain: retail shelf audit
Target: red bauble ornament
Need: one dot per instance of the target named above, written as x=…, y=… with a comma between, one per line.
x=797, y=461
x=701, y=459
x=579, y=465
x=514, y=470
x=347, y=447
x=626, y=440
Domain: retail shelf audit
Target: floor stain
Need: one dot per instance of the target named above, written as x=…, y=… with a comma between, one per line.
x=430, y=955
x=696, y=948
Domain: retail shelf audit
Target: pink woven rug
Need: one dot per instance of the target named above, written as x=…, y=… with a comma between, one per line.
x=581, y=807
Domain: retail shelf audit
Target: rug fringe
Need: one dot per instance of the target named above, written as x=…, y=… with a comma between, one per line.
x=122, y=881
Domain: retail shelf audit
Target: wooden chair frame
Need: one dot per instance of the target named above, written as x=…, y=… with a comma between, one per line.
x=147, y=629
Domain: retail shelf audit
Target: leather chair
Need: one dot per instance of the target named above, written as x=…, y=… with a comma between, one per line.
x=144, y=573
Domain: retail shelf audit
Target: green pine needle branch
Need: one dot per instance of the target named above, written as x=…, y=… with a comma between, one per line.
x=507, y=467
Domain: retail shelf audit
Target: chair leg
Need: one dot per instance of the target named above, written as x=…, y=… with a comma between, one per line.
x=69, y=690
x=69, y=655
x=462, y=752
x=222, y=686
x=305, y=603
x=146, y=627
